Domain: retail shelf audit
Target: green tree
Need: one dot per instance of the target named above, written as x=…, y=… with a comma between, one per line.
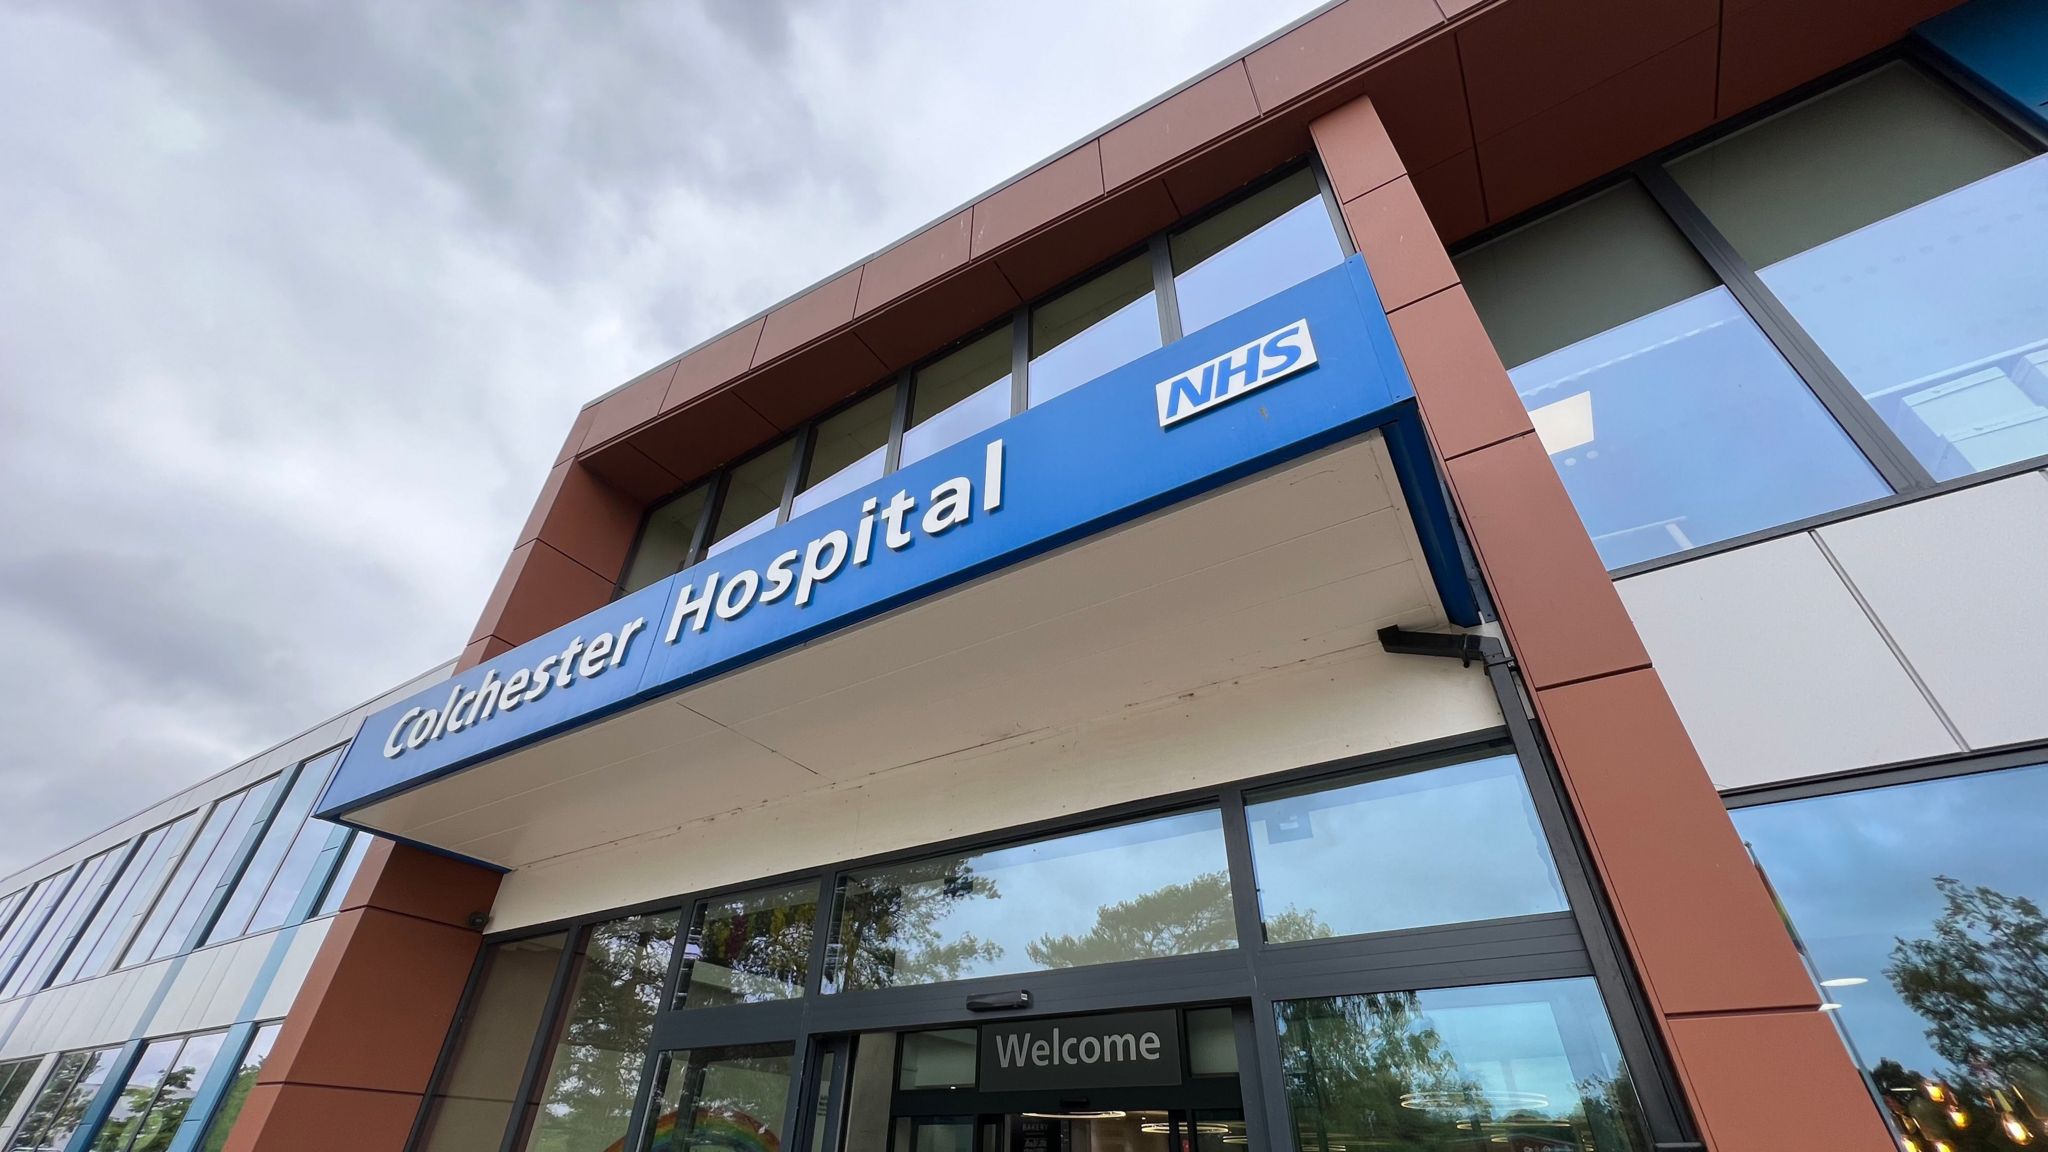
x=890, y=924
x=1173, y=920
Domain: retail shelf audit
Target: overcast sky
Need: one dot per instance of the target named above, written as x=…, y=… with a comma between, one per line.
x=297, y=301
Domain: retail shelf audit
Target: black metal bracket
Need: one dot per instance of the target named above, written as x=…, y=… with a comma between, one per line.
x=999, y=1001
x=1464, y=647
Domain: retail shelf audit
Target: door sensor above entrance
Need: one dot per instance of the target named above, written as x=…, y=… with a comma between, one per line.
x=999, y=1001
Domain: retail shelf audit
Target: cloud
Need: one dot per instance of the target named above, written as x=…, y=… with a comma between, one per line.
x=301, y=298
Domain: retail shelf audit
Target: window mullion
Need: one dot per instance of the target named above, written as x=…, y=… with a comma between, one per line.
x=899, y=423
x=799, y=463
x=1163, y=291
x=1020, y=359
x=1878, y=443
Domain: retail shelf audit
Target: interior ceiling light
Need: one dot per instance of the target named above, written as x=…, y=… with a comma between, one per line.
x=1105, y=1114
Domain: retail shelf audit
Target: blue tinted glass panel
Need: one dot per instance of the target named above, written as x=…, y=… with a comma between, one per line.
x=848, y=450
x=126, y=901
x=229, y=824
x=1685, y=427
x=351, y=863
x=132, y=1103
x=1939, y=316
x=230, y=1109
x=283, y=860
x=1101, y=325
x=1920, y=907
x=35, y=909
x=53, y=1118
x=753, y=497
x=66, y=918
x=1271, y=240
x=1436, y=846
x=1509, y=1066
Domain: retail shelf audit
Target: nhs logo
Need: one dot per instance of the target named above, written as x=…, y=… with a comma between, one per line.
x=1235, y=373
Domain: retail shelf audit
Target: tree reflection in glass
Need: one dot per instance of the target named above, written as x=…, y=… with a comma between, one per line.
x=1523, y=1066
x=1918, y=906
x=1124, y=892
x=594, y=1067
x=749, y=948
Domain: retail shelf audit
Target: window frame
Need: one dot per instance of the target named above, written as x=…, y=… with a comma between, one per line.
x=1018, y=321
x=1582, y=941
x=1908, y=478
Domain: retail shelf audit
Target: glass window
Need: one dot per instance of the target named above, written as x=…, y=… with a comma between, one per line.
x=230, y=1109
x=945, y=1058
x=345, y=875
x=60, y=1107
x=283, y=861
x=733, y=1097
x=14, y=1078
x=1433, y=846
x=1908, y=235
x=1212, y=1042
x=473, y=1103
x=753, y=497
x=35, y=908
x=1508, y=1066
x=1670, y=417
x=848, y=449
x=750, y=948
x=154, y=1104
x=665, y=539
x=233, y=820
x=8, y=905
x=66, y=918
x=1103, y=324
x=1126, y=892
x=1920, y=908
x=958, y=395
x=126, y=901
x=1271, y=240
x=593, y=1071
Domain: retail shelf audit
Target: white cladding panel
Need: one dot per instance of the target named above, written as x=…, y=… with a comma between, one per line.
x=1889, y=637
x=1960, y=583
x=1774, y=667
x=1342, y=704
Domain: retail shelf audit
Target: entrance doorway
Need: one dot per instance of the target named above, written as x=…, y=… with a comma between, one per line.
x=1162, y=1080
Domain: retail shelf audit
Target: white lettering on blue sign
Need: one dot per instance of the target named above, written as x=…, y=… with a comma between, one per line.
x=1255, y=365
x=803, y=570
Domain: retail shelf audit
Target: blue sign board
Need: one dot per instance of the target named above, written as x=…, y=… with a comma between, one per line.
x=1306, y=368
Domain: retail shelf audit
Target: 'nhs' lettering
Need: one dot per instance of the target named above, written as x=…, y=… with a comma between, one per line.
x=1235, y=373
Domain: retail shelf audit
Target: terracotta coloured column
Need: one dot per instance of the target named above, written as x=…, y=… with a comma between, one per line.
x=352, y=1063
x=1763, y=1069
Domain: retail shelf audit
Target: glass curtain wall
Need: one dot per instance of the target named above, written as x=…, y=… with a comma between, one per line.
x=60, y=1107
x=1846, y=298
x=1919, y=908
x=237, y=1094
x=1268, y=239
x=1343, y=876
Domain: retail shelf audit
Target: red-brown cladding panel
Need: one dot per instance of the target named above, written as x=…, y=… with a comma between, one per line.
x=1451, y=194
x=546, y=589
x=713, y=365
x=1355, y=149
x=1334, y=43
x=308, y=1119
x=1037, y=198
x=478, y=651
x=1465, y=394
x=1658, y=102
x=1198, y=114
x=1704, y=929
x=809, y=316
x=1555, y=599
x=375, y=1004
x=629, y=407
x=585, y=519
x=577, y=431
x=915, y=263
x=1770, y=47
x=1527, y=56
x=1057, y=253
x=1202, y=179
x=1420, y=96
x=416, y=883
x=1728, y=1058
x=1399, y=244
x=930, y=319
x=821, y=375
x=690, y=441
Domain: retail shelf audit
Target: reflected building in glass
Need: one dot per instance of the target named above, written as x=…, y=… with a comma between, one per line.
x=1469, y=579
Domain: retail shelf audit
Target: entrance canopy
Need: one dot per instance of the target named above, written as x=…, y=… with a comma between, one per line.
x=1252, y=497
